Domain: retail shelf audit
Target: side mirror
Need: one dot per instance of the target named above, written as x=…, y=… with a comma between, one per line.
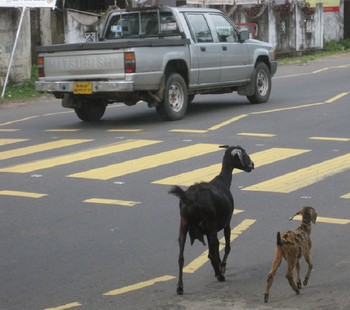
x=244, y=35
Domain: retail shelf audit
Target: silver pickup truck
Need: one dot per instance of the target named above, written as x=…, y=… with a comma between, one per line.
x=161, y=55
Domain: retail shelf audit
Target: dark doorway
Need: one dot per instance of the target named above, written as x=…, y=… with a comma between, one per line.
x=346, y=19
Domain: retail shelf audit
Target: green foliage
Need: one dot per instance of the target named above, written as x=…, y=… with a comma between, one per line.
x=330, y=48
x=24, y=90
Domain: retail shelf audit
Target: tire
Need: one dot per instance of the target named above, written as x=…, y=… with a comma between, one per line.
x=262, y=84
x=90, y=110
x=174, y=104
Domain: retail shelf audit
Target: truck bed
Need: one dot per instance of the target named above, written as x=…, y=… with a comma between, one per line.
x=113, y=44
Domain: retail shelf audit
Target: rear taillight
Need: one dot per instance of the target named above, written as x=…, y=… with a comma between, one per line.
x=129, y=62
x=41, y=70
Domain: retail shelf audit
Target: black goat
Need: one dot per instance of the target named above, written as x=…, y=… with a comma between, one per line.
x=207, y=207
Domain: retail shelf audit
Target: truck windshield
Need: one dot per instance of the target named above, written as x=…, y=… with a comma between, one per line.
x=136, y=24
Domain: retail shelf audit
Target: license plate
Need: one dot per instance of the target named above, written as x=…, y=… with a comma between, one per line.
x=82, y=88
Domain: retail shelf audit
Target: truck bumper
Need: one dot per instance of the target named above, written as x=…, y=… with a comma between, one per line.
x=97, y=86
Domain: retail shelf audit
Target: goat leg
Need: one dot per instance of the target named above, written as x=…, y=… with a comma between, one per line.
x=227, y=234
x=297, y=267
x=309, y=262
x=289, y=275
x=182, y=241
x=275, y=264
x=214, y=255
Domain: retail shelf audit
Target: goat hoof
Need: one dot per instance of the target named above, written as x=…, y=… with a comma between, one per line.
x=180, y=291
x=305, y=282
x=299, y=285
x=266, y=298
x=223, y=268
x=221, y=278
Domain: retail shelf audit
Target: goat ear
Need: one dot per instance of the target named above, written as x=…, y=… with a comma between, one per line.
x=224, y=146
x=239, y=153
x=298, y=213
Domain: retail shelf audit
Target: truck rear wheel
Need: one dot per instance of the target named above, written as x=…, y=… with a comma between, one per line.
x=90, y=110
x=262, y=84
x=174, y=104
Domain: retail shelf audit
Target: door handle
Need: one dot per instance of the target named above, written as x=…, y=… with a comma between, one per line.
x=224, y=48
x=203, y=49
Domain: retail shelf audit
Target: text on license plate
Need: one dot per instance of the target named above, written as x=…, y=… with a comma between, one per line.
x=82, y=88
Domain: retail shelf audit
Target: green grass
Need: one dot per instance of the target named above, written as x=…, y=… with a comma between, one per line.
x=22, y=91
x=26, y=90
x=330, y=48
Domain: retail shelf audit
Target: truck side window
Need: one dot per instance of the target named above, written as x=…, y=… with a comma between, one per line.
x=200, y=28
x=224, y=29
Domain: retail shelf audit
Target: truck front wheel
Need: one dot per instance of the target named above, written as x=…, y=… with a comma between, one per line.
x=174, y=104
x=262, y=84
x=90, y=110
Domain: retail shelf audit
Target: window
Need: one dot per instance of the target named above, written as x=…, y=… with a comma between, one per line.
x=224, y=29
x=200, y=28
x=144, y=23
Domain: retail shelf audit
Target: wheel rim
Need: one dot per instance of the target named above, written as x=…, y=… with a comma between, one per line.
x=176, y=97
x=262, y=83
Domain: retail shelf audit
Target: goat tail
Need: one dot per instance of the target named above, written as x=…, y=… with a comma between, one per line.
x=180, y=193
x=279, y=240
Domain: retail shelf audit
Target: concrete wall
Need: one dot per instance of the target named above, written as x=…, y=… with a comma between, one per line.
x=80, y=26
x=334, y=24
x=288, y=32
x=22, y=63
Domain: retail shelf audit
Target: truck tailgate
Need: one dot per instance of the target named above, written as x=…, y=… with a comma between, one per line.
x=84, y=65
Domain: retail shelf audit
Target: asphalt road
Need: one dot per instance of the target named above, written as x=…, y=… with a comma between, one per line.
x=86, y=221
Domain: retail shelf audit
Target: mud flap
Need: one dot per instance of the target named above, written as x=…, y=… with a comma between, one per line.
x=69, y=102
x=249, y=89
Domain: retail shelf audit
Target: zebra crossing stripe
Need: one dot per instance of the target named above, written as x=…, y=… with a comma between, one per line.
x=208, y=173
x=21, y=194
x=74, y=157
x=147, y=162
x=117, y=202
x=203, y=258
x=10, y=141
x=295, y=180
x=32, y=149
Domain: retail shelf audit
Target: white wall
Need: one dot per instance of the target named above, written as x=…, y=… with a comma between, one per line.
x=21, y=65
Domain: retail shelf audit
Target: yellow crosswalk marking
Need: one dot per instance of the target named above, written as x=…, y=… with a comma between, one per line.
x=147, y=162
x=32, y=149
x=117, y=202
x=303, y=177
x=138, y=286
x=10, y=141
x=207, y=173
x=330, y=139
x=346, y=196
x=253, y=134
x=66, y=306
x=83, y=155
x=203, y=258
x=21, y=194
